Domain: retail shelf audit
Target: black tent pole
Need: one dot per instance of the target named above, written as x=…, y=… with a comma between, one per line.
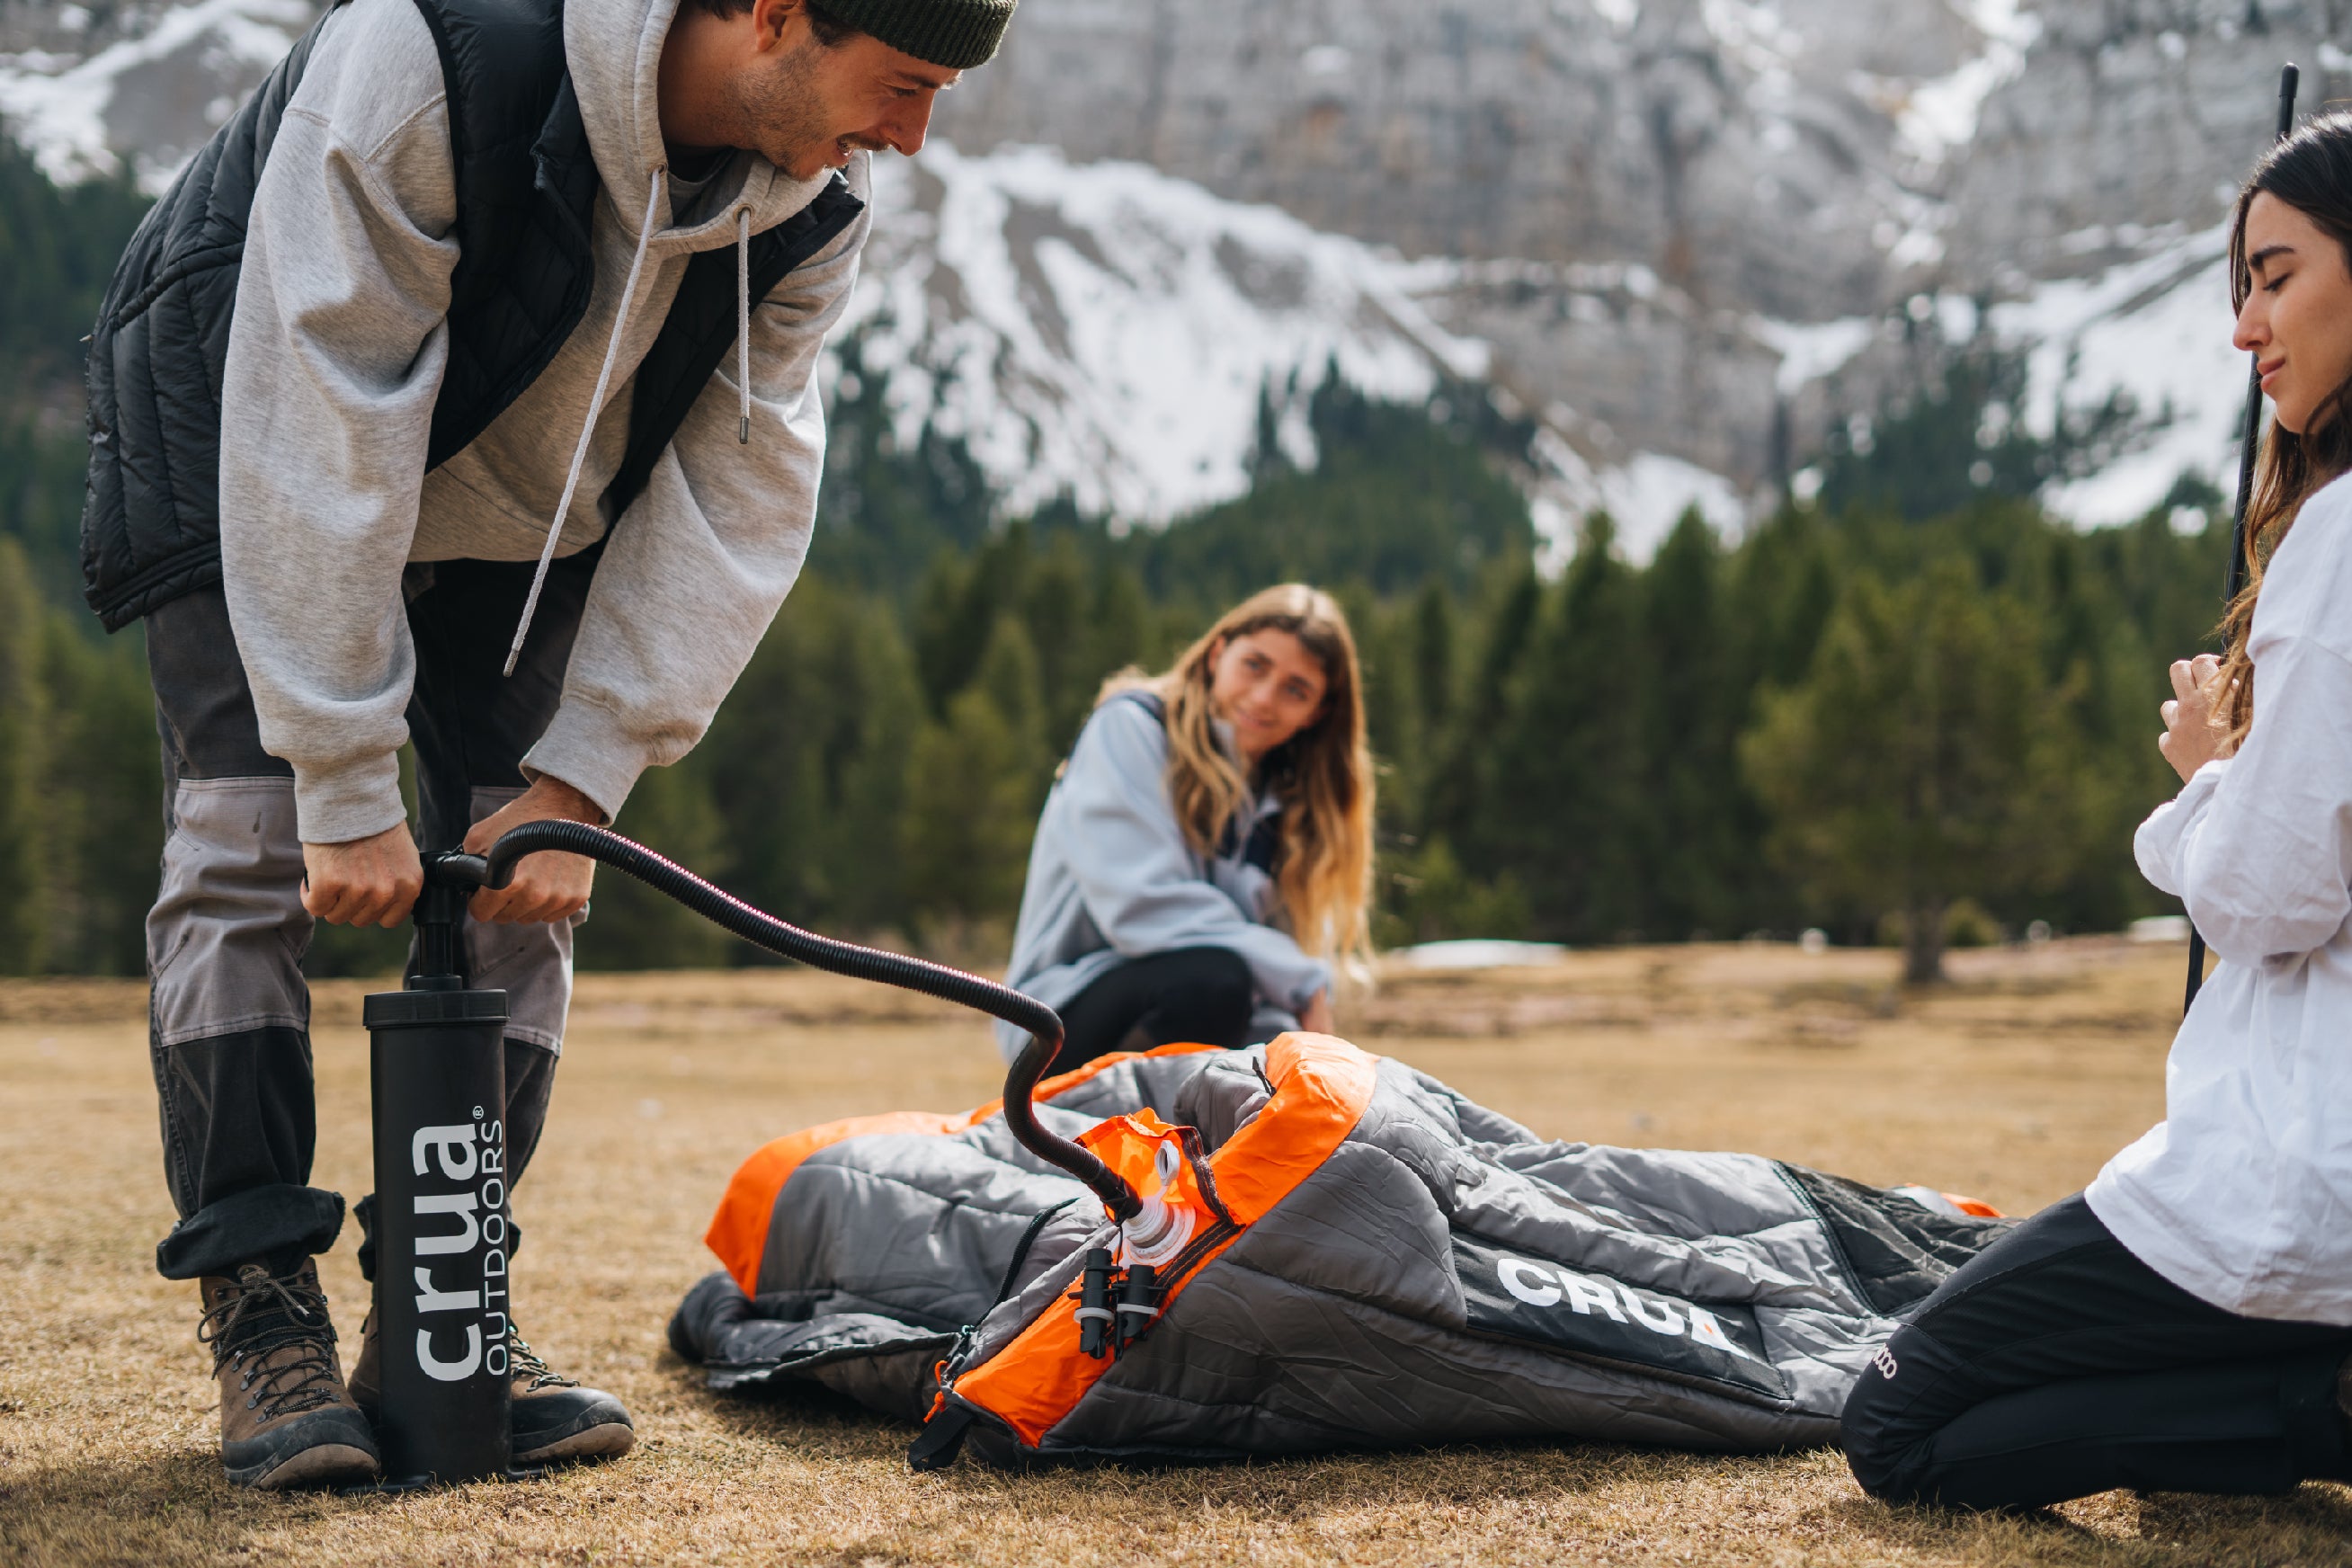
x=2249, y=442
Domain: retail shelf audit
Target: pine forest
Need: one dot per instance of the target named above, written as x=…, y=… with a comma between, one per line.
x=1913, y=708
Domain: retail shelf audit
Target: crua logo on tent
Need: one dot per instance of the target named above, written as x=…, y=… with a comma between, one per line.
x=1550, y=1303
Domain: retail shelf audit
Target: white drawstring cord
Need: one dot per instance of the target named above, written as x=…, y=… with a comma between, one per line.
x=743, y=317
x=588, y=426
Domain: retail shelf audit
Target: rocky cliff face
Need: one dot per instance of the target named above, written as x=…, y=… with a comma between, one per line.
x=1623, y=188
x=1720, y=144
x=2125, y=120
x=1685, y=234
x=1616, y=187
x=136, y=84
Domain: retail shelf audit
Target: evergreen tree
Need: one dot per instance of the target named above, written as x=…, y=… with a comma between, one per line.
x=1961, y=436
x=43, y=461
x=1055, y=613
x=1430, y=898
x=1391, y=700
x=25, y=736
x=963, y=597
x=1012, y=676
x=1433, y=651
x=887, y=509
x=57, y=249
x=1556, y=760
x=103, y=826
x=1704, y=827
x=975, y=779
x=808, y=762
x=1569, y=809
x=1401, y=496
x=1462, y=783
x=1925, y=759
x=631, y=926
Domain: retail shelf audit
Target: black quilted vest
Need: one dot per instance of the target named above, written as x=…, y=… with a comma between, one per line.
x=527, y=186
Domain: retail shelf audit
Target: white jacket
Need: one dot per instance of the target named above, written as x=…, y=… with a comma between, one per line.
x=2243, y=1195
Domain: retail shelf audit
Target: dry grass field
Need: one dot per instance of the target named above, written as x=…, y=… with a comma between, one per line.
x=2011, y=1084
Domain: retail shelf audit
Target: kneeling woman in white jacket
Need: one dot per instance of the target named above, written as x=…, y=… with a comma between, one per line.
x=2183, y=1323
x=1207, y=855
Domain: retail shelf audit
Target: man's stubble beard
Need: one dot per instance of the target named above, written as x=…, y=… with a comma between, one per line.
x=783, y=113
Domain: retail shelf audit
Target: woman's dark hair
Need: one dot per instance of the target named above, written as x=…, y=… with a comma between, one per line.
x=830, y=30
x=2311, y=171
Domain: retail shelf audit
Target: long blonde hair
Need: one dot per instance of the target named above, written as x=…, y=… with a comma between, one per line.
x=2310, y=171
x=1322, y=775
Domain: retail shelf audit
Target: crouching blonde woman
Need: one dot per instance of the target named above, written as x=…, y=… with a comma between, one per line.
x=1205, y=859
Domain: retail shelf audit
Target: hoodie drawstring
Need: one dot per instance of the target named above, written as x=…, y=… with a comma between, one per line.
x=743, y=317
x=588, y=427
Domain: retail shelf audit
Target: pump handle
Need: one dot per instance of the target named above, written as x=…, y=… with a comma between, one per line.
x=762, y=929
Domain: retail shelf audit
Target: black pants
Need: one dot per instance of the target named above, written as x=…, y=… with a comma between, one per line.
x=2055, y=1364
x=229, y=1014
x=1200, y=994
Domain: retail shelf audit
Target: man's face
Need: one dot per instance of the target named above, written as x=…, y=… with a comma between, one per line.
x=805, y=106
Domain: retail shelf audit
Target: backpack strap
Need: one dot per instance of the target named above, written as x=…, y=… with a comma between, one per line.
x=1149, y=701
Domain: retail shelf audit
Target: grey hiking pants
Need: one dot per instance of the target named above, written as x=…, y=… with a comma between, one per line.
x=229, y=1014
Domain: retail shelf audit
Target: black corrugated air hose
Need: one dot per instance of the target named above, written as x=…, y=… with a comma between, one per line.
x=762, y=929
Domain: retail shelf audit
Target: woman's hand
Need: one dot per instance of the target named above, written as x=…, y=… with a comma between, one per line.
x=2190, y=740
x=549, y=886
x=1315, y=1018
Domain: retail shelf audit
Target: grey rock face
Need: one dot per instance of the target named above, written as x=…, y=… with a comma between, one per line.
x=1625, y=194
x=135, y=84
x=1783, y=160
x=1720, y=144
x=2129, y=116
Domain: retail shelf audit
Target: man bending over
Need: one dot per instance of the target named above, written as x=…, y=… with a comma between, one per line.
x=462, y=391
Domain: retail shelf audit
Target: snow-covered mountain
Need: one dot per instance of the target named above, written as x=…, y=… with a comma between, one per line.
x=1683, y=235
x=141, y=84
x=1107, y=331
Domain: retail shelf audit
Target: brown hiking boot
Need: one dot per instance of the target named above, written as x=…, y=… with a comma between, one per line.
x=551, y=1417
x=285, y=1420
x=555, y=1419
x=366, y=1382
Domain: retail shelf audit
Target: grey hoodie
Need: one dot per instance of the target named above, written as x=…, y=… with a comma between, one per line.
x=335, y=358
x=1111, y=878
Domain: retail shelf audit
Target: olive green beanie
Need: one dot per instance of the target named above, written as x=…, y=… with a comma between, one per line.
x=955, y=34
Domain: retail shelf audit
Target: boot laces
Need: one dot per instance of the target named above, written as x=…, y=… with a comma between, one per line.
x=280, y=1320
x=527, y=1363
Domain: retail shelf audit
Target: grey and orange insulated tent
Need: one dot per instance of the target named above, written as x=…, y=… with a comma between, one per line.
x=1331, y=1250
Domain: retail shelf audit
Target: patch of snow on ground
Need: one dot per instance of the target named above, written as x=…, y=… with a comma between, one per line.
x=1644, y=497
x=1647, y=496
x=1481, y=952
x=1103, y=330
x=2157, y=328
x=1940, y=116
x=57, y=108
x=1812, y=350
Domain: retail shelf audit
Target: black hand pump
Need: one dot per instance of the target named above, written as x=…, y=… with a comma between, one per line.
x=438, y=1074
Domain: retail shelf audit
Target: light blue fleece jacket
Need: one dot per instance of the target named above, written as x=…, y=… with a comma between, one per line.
x=1111, y=879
